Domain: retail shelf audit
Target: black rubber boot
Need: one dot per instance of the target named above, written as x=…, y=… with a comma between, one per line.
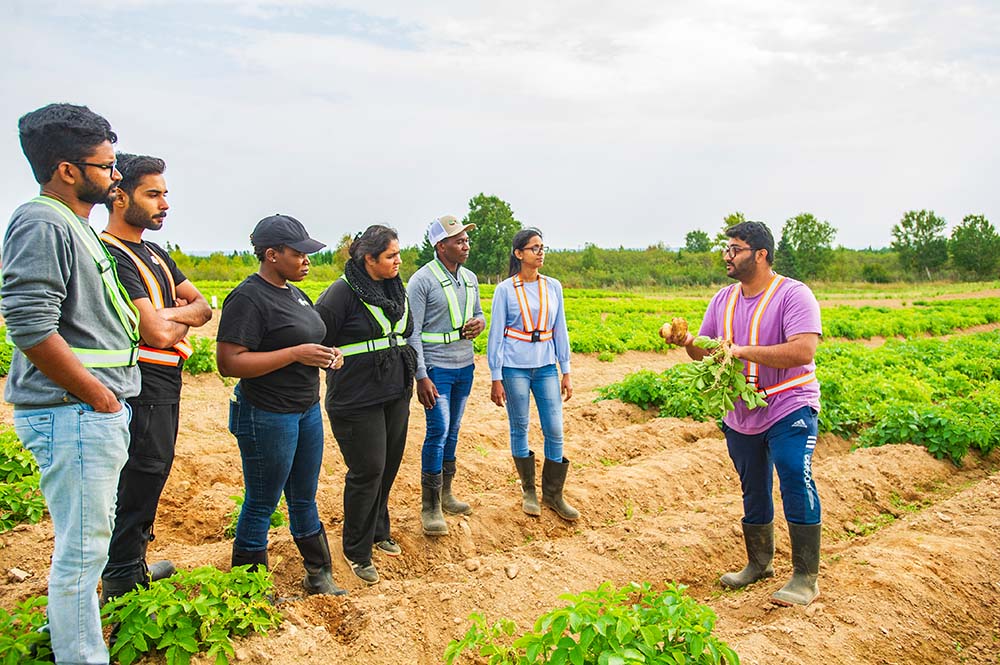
x=759, y=541
x=431, y=517
x=119, y=586
x=246, y=558
x=160, y=570
x=553, y=479
x=449, y=503
x=526, y=472
x=315, y=551
x=803, y=588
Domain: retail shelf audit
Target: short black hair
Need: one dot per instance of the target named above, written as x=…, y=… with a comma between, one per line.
x=261, y=251
x=755, y=234
x=134, y=168
x=61, y=133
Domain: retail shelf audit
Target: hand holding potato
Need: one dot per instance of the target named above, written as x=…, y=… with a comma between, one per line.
x=675, y=332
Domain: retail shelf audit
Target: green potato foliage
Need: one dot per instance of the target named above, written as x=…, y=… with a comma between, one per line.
x=608, y=626
x=22, y=642
x=191, y=612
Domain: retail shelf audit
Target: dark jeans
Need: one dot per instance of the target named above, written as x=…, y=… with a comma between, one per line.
x=788, y=447
x=372, y=441
x=281, y=452
x=445, y=419
x=153, y=433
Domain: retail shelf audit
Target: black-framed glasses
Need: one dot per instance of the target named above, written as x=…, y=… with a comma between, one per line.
x=110, y=168
x=732, y=250
x=536, y=249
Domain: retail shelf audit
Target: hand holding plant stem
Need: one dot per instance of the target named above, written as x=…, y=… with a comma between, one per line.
x=719, y=378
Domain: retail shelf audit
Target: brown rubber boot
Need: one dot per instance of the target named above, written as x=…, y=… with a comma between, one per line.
x=431, y=518
x=803, y=588
x=553, y=479
x=526, y=472
x=449, y=503
x=759, y=541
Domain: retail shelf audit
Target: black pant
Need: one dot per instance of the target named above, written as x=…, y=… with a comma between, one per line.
x=371, y=440
x=153, y=432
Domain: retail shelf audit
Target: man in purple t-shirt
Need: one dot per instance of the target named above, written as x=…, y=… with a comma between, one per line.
x=773, y=325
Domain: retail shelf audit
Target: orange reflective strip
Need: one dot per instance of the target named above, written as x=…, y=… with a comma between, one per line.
x=531, y=326
x=156, y=295
x=158, y=356
x=758, y=315
x=152, y=287
x=788, y=384
x=543, y=336
x=727, y=321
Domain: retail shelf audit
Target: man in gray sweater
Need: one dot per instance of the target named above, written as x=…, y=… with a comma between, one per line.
x=447, y=316
x=76, y=335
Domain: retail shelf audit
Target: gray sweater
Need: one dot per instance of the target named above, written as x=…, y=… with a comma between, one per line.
x=429, y=308
x=51, y=285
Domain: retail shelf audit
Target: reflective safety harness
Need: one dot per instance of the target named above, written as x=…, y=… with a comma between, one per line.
x=390, y=337
x=533, y=330
x=451, y=294
x=118, y=297
x=753, y=368
x=180, y=351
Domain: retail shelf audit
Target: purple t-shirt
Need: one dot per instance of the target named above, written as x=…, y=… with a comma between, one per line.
x=793, y=310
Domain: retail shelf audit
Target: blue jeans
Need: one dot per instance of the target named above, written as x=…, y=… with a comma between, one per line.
x=444, y=420
x=80, y=453
x=281, y=452
x=543, y=383
x=788, y=447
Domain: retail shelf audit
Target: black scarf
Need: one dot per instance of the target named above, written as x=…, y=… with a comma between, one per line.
x=389, y=295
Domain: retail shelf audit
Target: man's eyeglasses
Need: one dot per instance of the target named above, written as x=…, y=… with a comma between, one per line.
x=110, y=168
x=733, y=250
x=536, y=249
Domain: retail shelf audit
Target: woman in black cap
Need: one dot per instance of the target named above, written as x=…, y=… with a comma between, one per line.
x=367, y=317
x=269, y=337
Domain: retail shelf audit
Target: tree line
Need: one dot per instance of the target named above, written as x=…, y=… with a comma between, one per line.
x=805, y=250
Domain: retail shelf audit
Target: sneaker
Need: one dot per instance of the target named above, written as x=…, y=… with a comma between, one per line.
x=365, y=571
x=389, y=547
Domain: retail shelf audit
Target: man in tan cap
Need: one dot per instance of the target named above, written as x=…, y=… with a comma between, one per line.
x=447, y=316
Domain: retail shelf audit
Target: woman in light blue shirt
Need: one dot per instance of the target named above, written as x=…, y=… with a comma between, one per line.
x=527, y=338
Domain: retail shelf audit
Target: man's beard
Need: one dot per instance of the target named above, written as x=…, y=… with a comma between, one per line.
x=135, y=216
x=91, y=192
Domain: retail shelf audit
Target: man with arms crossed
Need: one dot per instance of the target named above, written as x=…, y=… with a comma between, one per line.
x=76, y=335
x=168, y=306
x=447, y=316
x=773, y=325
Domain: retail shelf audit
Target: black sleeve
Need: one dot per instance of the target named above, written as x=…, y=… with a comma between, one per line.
x=241, y=322
x=128, y=274
x=333, y=306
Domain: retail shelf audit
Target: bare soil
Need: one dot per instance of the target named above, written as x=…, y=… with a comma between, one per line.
x=910, y=571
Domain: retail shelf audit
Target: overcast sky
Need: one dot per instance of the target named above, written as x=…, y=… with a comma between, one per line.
x=625, y=123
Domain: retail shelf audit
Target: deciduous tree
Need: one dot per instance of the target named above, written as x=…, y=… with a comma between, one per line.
x=805, y=247
x=495, y=228
x=697, y=241
x=975, y=247
x=919, y=241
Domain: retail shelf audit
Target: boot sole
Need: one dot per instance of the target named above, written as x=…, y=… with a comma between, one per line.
x=789, y=603
x=428, y=532
x=456, y=512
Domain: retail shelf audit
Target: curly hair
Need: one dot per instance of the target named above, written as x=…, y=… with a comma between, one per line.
x=61, y=133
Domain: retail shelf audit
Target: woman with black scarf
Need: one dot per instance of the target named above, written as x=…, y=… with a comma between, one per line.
x=368, y=400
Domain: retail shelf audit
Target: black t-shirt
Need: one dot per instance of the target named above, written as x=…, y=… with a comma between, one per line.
x=365, y=379
x=161, y=384
x=263, y=317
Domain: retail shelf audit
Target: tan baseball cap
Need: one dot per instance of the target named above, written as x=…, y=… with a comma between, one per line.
x=445, y=227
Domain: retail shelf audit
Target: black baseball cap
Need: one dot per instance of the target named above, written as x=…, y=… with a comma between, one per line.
x=284, y=230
